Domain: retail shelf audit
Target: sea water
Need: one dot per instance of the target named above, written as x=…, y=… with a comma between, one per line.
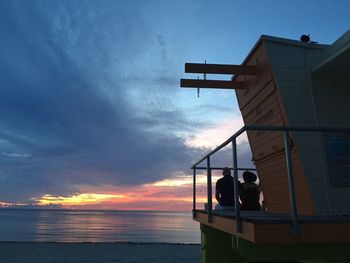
x=98, y=226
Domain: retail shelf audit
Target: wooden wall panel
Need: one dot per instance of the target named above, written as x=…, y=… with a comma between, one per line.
x=274, y=183
x=266, y=111
x=261, y=104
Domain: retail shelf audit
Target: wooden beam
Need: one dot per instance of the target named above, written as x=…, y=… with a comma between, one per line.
x=220, y=69
x=212, y=84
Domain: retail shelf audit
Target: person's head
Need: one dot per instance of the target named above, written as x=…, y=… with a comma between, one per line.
x=226, y=171
x=249, y=177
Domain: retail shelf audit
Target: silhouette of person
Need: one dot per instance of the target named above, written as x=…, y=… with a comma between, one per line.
x=250, y=192
x=224, y=190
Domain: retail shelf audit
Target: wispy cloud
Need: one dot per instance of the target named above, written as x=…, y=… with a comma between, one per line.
x=90, y=99
x=67, y=107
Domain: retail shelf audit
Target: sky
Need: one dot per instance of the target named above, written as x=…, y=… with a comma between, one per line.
x=91, y=112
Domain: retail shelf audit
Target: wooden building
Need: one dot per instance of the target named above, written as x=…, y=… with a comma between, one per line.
x=298, y=85
x=303, y=86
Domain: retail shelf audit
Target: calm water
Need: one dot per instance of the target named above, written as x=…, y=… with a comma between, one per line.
x=98, y=226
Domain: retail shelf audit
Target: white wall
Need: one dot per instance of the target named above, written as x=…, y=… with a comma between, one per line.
x=290, y=67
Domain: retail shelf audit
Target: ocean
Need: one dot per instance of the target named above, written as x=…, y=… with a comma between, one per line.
x=98, y=226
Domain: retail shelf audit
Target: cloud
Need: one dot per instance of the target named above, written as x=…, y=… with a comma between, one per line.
x=66, y=114
x=90, y=98
x=212, y=137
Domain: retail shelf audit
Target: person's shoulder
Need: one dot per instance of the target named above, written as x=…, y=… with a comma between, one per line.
x=219, y=181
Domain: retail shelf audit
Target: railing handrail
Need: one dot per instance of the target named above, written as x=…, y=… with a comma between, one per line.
x=220, y=168
x=291, y=186
x=269, y=128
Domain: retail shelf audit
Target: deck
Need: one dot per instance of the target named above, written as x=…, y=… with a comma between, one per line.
x=263, y=227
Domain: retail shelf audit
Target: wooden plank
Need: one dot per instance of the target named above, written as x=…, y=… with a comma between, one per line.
x=220, y=69
x=227, y=225
x=212, y=84
x=255, y=83
x=314, y=233
x=263, y=94
x=274, y=184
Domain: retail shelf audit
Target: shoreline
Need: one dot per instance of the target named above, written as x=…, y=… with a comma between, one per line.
x=93, y=252
x=104, y=242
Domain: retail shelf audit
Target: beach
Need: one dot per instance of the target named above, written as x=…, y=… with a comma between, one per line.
x=55, y=252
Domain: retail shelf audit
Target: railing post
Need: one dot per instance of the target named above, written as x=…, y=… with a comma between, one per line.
x=292, y=196
x=235, y=183
x=194, y=214
x=209, y=187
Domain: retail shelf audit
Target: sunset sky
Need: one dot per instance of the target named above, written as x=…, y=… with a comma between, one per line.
x=91, y=112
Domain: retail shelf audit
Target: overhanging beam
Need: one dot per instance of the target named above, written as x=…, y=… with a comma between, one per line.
x=220, y=69
x=213, y=84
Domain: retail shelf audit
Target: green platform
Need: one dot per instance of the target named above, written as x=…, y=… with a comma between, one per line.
x=220, y=247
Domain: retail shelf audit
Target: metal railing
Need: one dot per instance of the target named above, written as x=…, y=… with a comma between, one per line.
x=233, y=140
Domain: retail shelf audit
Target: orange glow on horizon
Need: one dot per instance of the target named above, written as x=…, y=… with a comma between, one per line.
x=79, y=199
x=168, y=194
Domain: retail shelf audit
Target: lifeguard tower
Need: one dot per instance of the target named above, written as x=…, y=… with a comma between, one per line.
x=294, y=97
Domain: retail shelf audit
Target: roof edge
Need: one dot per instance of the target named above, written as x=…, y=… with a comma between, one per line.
x=338, y=48
x=286, y=41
